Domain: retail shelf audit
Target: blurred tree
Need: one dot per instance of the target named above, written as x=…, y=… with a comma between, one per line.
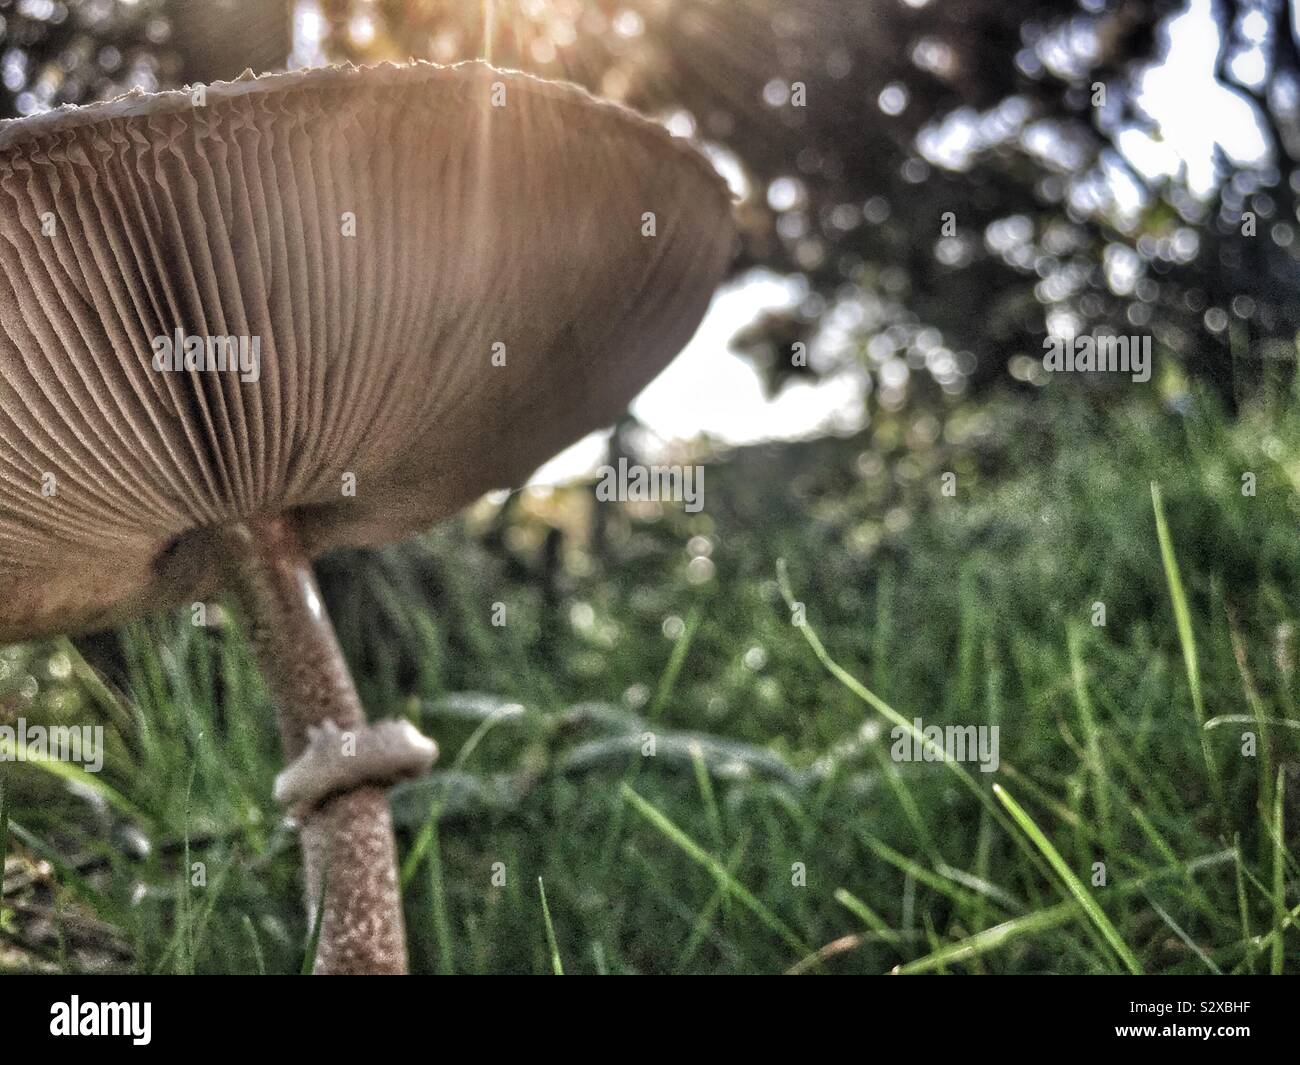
x=944, y=177
x=54, y=52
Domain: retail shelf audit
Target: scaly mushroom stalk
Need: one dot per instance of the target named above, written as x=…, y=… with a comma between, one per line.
x=346, y=826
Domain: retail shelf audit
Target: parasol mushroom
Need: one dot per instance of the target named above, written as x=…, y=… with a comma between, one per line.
x=247, y=323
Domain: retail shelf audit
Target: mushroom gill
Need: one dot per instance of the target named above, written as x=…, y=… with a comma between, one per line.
x=384, y=238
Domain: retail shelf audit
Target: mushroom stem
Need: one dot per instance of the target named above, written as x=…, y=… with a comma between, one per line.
x=347, y=839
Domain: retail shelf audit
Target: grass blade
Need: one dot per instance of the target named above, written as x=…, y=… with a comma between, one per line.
x=557, y=966
x=992, y=938
x=676, y=659
x=4, y=830
x=867, y=915
x=719, y=871
x=1072, y=882
x=313, y=943
x=438, y=897
x=256, y=945
x=1181, y=933
x=1186, y=637
x=1279, y=876
x=890, y=714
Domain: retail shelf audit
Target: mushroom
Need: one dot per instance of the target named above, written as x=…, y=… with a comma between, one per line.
x=246, y=323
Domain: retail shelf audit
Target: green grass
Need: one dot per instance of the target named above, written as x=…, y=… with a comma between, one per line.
x=702, y=784
x=552, y=944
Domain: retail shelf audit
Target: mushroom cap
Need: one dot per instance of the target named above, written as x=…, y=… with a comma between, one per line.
x=376, y=236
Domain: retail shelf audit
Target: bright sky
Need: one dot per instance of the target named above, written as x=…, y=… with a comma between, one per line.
x=709, y=390
x=1193, y=110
